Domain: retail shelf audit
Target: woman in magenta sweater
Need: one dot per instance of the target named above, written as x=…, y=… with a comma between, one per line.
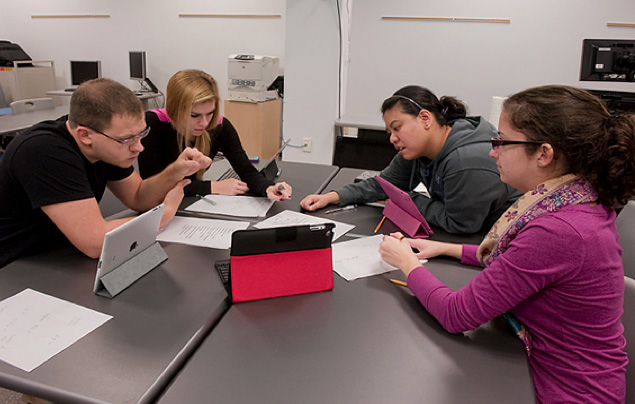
x=552, y=261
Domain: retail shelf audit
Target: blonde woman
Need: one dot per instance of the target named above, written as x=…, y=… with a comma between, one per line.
x=192, y=119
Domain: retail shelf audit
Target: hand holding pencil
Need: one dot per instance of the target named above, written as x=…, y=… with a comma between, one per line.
x=396, y=251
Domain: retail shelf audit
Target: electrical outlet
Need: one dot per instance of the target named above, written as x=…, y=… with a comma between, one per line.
x=306, y=144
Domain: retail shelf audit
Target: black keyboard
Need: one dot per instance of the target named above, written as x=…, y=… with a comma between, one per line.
x=222, y=267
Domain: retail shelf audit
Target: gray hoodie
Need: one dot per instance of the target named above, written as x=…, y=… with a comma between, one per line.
x=466, y=193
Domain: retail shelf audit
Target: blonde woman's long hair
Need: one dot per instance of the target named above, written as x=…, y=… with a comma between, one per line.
x=185, y=89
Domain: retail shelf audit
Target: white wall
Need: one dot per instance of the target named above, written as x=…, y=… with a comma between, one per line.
x=311, y=76
x=475, y=60
x=171, y=43
x=472, y=61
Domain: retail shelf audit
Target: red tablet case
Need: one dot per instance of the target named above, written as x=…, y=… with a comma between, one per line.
x=281, y=265
x=403, y=212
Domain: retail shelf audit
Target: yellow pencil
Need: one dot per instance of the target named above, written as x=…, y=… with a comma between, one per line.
x=400, y=283
x=379, y=225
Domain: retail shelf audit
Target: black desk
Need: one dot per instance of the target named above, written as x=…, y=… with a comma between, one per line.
x=157, y=323
x=366, y=217
x=366, y=341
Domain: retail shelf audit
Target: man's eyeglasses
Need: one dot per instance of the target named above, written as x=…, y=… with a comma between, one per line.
x=126, y=141
x=498, y=142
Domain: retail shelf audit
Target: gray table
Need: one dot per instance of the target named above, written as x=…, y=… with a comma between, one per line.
x=305, y=178
x=157, y=323
x=366, y=341
x=16, y=122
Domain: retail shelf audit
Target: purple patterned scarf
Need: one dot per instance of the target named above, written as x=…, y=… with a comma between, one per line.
x=547, y=197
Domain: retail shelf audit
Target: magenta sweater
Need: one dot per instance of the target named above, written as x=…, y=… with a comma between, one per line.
x=562, y=276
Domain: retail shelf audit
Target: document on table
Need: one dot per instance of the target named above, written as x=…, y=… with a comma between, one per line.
x=243, y=206
x=291, y=218
x=34, y=327
x=360, y=258
x=211, y=233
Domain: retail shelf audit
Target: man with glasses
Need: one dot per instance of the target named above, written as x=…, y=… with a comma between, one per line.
x=54, y=174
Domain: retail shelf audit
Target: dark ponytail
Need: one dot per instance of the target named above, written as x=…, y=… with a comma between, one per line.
x=614, y=174
x=413, y=99
x=452, y=108
x=590, y=142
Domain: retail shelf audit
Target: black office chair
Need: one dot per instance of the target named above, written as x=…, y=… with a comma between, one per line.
x=625, y=223
x=628, y=319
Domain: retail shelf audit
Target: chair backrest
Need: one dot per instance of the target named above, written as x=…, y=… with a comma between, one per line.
x=3, y=101
x=33, y=104
x=628, y=319
x=626, y=227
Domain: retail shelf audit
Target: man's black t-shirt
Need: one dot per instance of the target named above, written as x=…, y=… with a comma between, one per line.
x=44, y=166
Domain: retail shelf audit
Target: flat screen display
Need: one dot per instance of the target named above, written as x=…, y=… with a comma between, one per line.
x=137, y=65
x=82, y=71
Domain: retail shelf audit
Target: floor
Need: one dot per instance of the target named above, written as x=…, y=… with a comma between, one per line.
x=10, y=397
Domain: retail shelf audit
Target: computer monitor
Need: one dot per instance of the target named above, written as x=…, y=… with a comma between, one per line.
x=82, y=71
x=137, y=65
x=608, y=60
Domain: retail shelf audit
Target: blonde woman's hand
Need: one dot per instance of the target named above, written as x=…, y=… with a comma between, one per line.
x=230, y=186
x=280, y=191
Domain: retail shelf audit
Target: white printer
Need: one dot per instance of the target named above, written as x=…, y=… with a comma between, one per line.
x=250, y=75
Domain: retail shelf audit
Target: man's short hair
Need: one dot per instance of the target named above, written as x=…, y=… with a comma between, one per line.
x=96, y=101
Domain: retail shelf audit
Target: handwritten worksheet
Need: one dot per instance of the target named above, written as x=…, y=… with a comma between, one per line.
x=34, y=327
x=291, y=218
x=359, y=258
x=200, y=232
x=243, y=206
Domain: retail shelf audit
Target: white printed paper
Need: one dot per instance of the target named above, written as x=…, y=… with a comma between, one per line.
x=290, y=218
x=243, y=206
x=200, y=232
x=34, y=327
x=360, y=258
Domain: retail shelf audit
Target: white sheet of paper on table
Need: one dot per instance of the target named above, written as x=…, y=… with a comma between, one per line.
x=241, y=206
x=210, y=233
x=34, y=327
x=360, y=258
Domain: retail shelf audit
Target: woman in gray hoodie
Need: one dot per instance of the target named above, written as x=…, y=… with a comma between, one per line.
x=447, y=151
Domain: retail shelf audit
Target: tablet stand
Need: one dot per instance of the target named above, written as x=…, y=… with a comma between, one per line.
x=412, y=226
x=127, y=273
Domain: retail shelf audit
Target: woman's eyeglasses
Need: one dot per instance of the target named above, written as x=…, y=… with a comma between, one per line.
x=498, y=142
x=126, y=141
